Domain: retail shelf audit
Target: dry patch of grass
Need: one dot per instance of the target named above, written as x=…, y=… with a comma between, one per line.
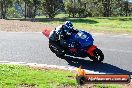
x=93, y=24
x=22, y=26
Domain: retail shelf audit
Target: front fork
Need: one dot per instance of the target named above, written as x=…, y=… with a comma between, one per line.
x=91, y=49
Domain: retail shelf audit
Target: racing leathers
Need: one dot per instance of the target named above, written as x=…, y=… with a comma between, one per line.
x=60, y=35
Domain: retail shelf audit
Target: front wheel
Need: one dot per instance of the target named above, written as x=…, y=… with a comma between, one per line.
x=98, y=56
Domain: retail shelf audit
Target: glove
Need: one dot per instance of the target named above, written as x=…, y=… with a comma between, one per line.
x=68, y=33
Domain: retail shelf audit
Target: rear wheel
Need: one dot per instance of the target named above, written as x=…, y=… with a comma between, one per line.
x=98, y=55
x=56, y=49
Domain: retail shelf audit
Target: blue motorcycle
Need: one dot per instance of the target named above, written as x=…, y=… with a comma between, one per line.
x=80, y=45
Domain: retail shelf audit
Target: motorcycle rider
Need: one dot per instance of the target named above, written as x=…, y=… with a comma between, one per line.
x=61, y=33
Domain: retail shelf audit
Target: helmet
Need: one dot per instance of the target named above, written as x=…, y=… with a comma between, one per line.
x=68, y=26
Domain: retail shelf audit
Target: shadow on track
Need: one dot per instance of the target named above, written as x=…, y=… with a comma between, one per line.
x=99, y=67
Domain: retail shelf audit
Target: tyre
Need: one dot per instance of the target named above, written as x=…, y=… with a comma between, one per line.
x=56, y=49
x=98, y=56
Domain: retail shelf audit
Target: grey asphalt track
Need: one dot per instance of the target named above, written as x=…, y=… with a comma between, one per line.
x=33, y=48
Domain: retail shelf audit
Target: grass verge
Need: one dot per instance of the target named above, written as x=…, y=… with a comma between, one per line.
x=95, y=24
x=98, y=24
x=17, y=76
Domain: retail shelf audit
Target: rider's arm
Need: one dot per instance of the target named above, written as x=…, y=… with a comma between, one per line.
x=75, y=30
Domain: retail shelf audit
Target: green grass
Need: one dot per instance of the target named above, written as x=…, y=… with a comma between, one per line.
x=13, y=76
x=17, y=76
x=92, y=24
x=96, y=24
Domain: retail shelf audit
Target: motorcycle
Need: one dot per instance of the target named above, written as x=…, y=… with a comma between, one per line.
x=80, y=45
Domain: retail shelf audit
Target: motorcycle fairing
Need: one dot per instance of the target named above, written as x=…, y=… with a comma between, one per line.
x=74, y=50
x=83, y=38
x=91, y=49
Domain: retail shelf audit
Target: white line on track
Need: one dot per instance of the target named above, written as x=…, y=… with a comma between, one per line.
x=117, y=35
x=123, y=35
x=96, y=34
x=70, y=68
x=18, y=32
x=93, y=34
x=117, y=50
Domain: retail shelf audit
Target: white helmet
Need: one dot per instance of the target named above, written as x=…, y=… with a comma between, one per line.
x=69, y=24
